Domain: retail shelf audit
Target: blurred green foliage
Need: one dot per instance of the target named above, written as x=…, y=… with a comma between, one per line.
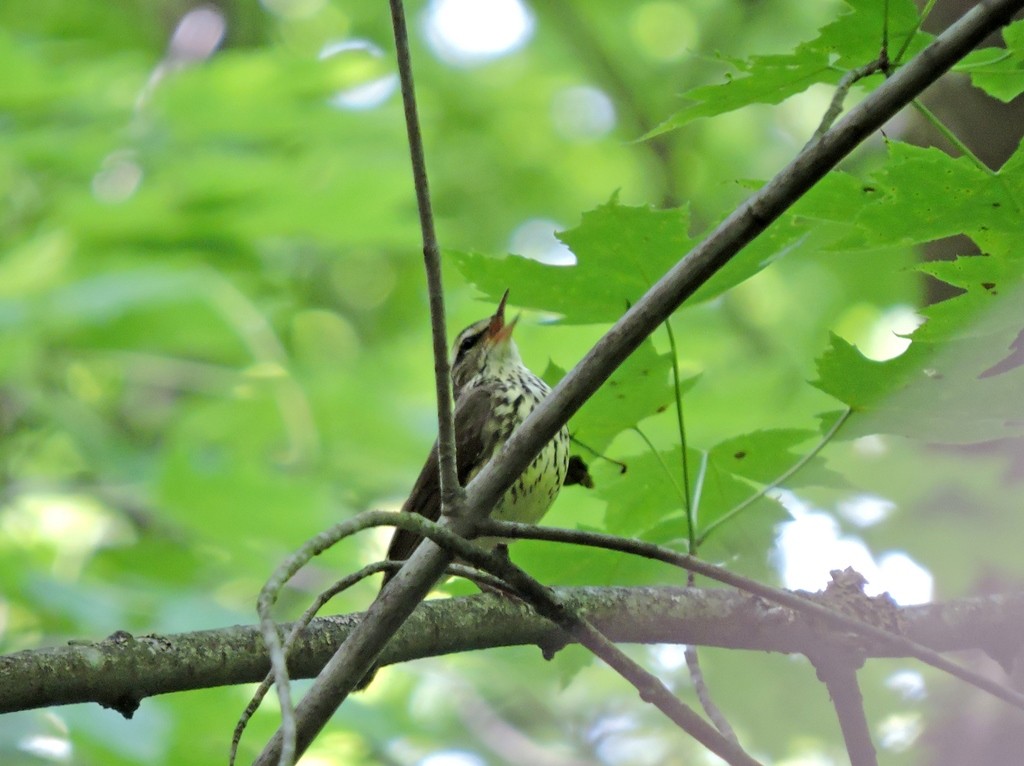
x=215, y=341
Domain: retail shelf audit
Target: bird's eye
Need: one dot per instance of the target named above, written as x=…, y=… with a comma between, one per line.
x=467, y=343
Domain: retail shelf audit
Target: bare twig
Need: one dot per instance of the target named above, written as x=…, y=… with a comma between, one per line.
x=852, y=76
x=314, y=547
x=700, y=684
x=452, y=494
x=544, y=601
x=847, y=81
x=474, y=575
x=704, y=694
x=298, y=627
x=651, y=689
x=450, y=490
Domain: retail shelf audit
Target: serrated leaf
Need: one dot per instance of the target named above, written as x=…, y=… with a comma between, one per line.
x=999, y=71
x=813, y=225
x=930, y=392
x=988, y=282
x=923, y=194
x=763, y=456
x=641, y=387
x=648, y=493
x=859, y=382
x=763, y=80
x=853, y=40
x=621, y=252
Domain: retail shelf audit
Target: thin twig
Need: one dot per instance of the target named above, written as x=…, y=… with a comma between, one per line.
x=547, y=604
x=481, y=579
x=451, y=492
x=440, y=534
x=300, y=624
x=704, y=694
x=835, y=108
x=688, y=499
x=700, y=684
x=880, y=64
x=539, y=597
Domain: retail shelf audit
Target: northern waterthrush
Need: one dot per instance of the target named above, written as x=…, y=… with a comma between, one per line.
x=494, y=392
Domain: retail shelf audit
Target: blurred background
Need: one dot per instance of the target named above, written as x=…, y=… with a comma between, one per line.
x=214, y=343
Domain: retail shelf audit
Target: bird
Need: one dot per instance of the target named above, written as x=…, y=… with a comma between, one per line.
x=494, y=392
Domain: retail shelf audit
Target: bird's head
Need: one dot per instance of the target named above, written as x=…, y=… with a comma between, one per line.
x=485, y=349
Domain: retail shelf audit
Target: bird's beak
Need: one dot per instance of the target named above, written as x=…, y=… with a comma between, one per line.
x=500, y=331
x=505, y=333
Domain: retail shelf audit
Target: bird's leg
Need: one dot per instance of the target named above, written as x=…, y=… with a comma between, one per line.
x=501, y=551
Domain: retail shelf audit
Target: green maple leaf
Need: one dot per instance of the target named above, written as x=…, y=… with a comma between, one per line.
x=852, y=40
x=999, y=71
x=936, y=392
x=639, y=388
x=621, y=252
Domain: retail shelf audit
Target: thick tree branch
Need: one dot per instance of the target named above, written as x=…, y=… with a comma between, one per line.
x=121, y=670
x=398, y=601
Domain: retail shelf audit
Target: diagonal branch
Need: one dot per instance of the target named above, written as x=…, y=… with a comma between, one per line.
x=549, y=604
x=398, y=601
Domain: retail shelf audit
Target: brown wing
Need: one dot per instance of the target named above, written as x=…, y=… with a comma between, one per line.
x=471, y=410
